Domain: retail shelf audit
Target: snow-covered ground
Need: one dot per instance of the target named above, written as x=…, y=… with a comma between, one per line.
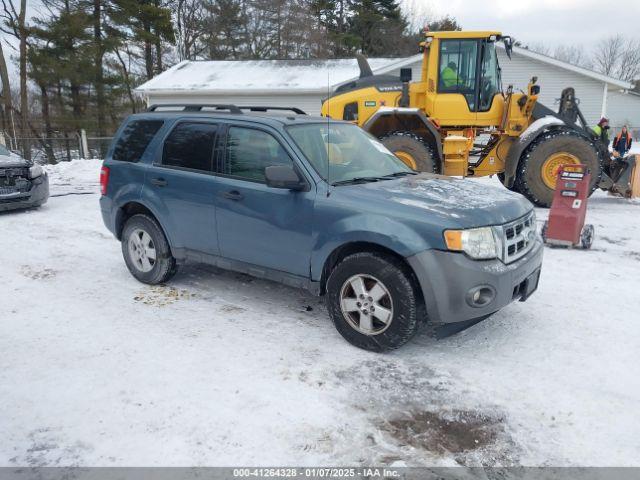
x=221, y=369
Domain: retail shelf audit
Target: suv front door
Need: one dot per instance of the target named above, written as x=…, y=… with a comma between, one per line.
x=257, y=224
x=182, y=186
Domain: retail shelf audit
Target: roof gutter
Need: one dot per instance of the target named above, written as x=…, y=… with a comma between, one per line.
x=232, y=91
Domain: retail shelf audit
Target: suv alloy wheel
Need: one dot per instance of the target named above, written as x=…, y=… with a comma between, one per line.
x=146, y=251
x=373, y=301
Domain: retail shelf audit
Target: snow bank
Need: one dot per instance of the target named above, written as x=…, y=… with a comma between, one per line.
x=76, y=176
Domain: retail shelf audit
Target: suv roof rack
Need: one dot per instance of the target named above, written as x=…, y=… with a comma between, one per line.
x=188, y=107
x=260, y=108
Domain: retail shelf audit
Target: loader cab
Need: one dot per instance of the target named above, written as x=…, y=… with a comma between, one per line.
x=466, y=75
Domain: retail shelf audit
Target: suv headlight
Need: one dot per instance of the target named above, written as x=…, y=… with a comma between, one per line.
x=478, y=243
x=35, y=171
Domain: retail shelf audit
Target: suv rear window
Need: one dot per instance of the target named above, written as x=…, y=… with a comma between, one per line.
x=135, y=139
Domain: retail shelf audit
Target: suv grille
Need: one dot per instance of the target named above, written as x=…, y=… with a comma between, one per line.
x=14, y=180
x=518, y=237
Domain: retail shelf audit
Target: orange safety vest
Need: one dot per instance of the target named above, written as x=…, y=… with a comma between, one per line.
x=628, y=139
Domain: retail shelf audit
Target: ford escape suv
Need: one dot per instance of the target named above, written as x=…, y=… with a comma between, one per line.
x=319, y=204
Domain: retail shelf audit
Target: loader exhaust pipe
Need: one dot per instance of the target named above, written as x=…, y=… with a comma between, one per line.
x=363, y=64
x=405, y=78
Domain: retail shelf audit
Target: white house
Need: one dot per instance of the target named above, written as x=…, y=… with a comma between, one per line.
x=304, y=83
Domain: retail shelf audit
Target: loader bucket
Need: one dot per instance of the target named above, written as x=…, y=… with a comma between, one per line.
x=626, y=178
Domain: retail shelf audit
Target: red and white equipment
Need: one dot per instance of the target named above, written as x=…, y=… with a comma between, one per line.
x=566, y=226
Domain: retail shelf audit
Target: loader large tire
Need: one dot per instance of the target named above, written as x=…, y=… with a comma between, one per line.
x=540, y=162
x=413, y=150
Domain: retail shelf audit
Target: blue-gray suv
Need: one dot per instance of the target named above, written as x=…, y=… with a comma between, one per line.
x=319, y=204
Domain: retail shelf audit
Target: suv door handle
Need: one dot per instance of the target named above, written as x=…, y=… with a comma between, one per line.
x=233, y=195
x=159, y=182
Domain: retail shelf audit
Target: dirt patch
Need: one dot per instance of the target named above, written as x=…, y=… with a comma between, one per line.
x=161, y=295
x=456, y=432
x=634, y=255
x=614, y=241
x=35, y=273
x=418, y=419
x=228, y=308
x=48, y=448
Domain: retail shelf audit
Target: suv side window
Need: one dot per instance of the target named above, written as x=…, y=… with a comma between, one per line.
x=135, y=139
x=250, y=151
x=190, y=146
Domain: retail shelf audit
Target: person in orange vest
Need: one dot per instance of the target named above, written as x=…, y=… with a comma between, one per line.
x=622, y=142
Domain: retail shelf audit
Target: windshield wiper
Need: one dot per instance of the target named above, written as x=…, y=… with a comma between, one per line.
x=401, y=174
x=359, y=180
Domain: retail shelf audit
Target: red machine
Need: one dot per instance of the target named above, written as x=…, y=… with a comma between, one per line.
x=565, y=226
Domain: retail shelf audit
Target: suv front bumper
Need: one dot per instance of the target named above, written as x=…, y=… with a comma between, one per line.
x=447, y=280
x=37, y=195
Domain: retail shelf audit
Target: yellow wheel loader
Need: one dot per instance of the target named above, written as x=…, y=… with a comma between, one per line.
x=457, y=120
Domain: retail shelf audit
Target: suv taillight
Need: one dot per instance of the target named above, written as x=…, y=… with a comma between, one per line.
x=104, y=180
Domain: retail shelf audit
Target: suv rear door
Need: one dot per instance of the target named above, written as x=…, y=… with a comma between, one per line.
x=257, y=224
x=182, y=186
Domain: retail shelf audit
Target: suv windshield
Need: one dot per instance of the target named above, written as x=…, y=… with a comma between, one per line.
x=341, y=152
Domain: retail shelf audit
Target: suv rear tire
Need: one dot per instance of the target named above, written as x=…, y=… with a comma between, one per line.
x=373, y=302
x=146, y=251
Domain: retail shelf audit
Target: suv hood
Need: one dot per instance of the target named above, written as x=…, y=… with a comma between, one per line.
x=457, y=203
x=13, y=160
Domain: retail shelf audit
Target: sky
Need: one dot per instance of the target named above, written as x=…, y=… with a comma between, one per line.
x=552, y=22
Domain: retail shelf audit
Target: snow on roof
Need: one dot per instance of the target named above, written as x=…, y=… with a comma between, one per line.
x=254, y=76
x=303, y=76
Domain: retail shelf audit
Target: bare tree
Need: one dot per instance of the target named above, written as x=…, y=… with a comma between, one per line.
x=573, y=54
x=99, y=53
x=190, y=27
x=125, y=67
x=539, y=47
x=418, y=14
x=6, y=91
x=14, y=20
x=619, y=57
x=629, y=61
x=606, y=55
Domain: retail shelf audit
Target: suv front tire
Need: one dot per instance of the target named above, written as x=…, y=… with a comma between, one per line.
x=373, y=301
x=146, y=251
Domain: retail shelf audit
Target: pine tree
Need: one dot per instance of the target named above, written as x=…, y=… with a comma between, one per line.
x=148, y=24
x=226, y=36
x=377, y=24
x=62, y=50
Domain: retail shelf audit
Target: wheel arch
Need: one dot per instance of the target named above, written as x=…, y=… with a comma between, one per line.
x=128, y=210
x=413, y=120
x=342, y=251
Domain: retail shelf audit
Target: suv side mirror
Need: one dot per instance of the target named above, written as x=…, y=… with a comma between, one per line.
x=284, y=176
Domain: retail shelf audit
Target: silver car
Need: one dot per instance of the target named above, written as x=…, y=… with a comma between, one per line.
x=23, y=183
